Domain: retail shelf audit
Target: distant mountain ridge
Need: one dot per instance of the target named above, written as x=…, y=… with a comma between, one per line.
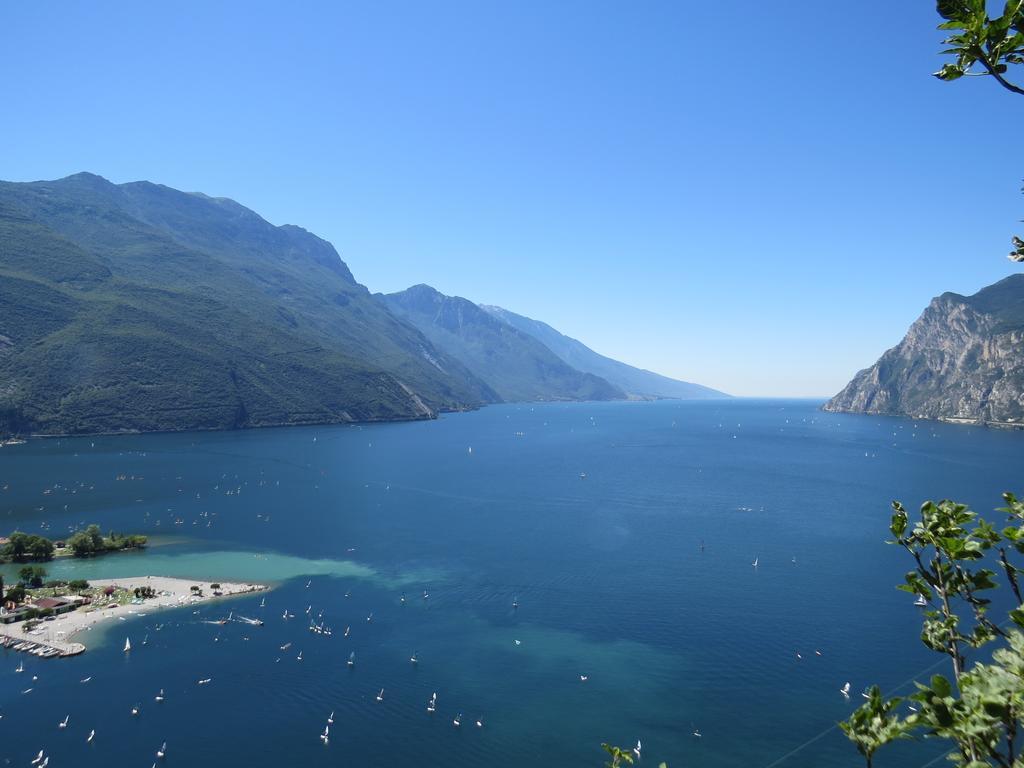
x=513, y=363
x=136, y=307
x=962, y=360
x=636, y=382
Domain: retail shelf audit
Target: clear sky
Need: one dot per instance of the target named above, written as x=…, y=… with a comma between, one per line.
x=759, y=197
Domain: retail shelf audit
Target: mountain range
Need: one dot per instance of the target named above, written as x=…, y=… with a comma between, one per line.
x=962, y=361
x=137, y=307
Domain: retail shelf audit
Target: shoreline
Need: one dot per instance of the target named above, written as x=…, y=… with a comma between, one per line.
x=171, y=593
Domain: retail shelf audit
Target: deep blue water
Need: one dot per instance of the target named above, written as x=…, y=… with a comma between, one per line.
x=608, y=572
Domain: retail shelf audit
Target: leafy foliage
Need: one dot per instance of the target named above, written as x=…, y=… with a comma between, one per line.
x=22, y=546
x=976, y=38
x=91, y=542
x=32, y=575
x=958, y=558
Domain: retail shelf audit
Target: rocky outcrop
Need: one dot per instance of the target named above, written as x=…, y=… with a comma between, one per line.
x=961, y=361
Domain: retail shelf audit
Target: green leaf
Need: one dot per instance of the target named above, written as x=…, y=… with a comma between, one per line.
x=941, y=686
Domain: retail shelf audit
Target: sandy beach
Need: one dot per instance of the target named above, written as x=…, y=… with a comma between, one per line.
x=68, y=632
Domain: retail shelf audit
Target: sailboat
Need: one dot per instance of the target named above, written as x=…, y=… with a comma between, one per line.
x=352, y=659
x=458, y=720
x=160, y=696
x=92, y=733
x=637, y=748
x=263, y=603
x=920, y=602
x=127, y=645
x=299, y=657
x=413, y=658
x=135, y=709
x=39, y=758
x=64, y=723
x=370, y=617
x=162, y=751
x=20, y=667
x=845, y=690
x=330, y=718
x=755, y=562
x=326, y=734
x=145, y=639
x=347, y=631
x=433, y=703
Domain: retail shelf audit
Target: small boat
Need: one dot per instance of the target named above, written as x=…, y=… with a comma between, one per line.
x=92, y=734
x=425, y=594
x=299, y=657
x=160, y=696
x=755, y=562
x=286, y=646
x=324, y=737
x=515, y=603
x=920, y=602
x=403, y=597
x=380, y=696
x=697, y=733
x=347, y=629
x=637, y=748
x=352, y=659
x=127, y=645
x=162, y=751
x=64, y=723
x=479, y=722
x=20, y=667
x=458, y=720
x=145, y=639
x=370, y=617
x=432, y=705
x=85, y=679
x=330, y=718
x=39, y=758
x=205, y=681
x=584, y=678
x=135, y=709
x=845, y=690
x=413, y=659
x=866, y=693
x=263, y=603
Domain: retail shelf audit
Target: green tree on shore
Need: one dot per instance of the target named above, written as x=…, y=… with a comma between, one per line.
x=32, y=575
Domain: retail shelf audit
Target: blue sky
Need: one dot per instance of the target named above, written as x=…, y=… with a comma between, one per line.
x=759, y=197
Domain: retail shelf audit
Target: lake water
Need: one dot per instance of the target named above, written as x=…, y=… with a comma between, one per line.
x=481, y=509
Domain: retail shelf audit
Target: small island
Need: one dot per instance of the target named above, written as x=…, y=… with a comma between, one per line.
x=45, y=619
x=22, y=547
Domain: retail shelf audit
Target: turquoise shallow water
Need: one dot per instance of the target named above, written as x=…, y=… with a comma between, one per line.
x=607, y=570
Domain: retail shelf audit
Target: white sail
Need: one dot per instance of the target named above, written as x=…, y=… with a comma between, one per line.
x=127, y=645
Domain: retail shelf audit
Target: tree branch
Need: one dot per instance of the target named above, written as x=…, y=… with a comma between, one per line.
x=983, y=58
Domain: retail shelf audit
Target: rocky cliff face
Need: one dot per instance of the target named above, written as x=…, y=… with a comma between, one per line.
x=962, y=360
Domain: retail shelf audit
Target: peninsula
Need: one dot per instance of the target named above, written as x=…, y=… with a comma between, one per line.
x=50, y=621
